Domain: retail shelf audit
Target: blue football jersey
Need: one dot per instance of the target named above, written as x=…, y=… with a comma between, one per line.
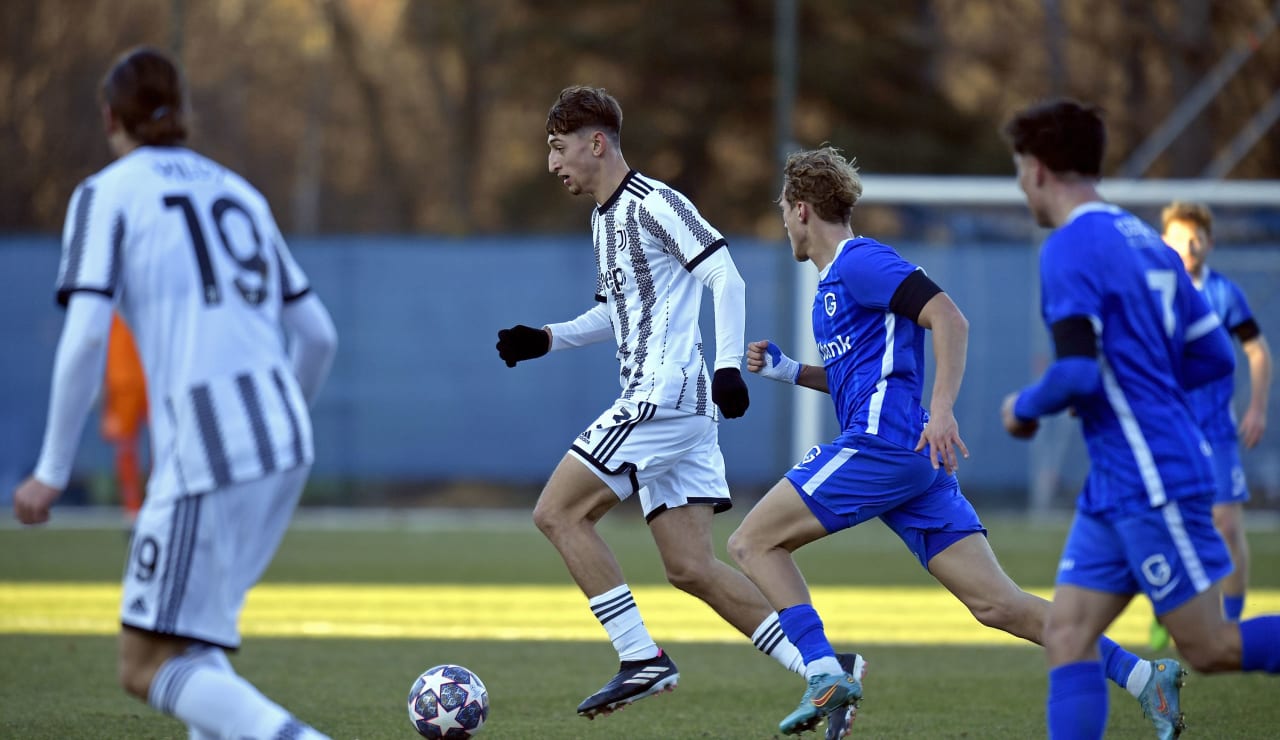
x=1211, y=403
x=874, y=358
x=1144, y=444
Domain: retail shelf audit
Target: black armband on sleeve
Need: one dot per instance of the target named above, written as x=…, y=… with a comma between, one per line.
x=710, y=250
x=913, y=292
x=1074, y=337
x=1246, y=330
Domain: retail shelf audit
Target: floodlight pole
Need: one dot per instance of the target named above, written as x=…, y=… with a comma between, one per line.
x=1053, y=31
x=177, y=22
x=806, y=408
x=1199, y=97
x=1232, y=153
x=784, y=76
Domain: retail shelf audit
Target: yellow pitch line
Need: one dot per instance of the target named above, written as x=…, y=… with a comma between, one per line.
x=512, y=612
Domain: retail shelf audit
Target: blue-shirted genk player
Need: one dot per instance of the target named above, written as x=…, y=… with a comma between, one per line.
x=892, y=460
x=1132, y=334
x=1188, y=228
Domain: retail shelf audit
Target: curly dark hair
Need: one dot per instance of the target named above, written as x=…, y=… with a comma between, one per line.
x=581, y=107
x=824, y=179
x=1064, y=134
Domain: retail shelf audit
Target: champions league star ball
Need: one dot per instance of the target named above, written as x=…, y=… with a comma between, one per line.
x=448, y=702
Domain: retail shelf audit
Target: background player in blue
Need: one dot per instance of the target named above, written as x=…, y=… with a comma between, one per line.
x=1188, y=228
x=892, y=459
x=1131, y=333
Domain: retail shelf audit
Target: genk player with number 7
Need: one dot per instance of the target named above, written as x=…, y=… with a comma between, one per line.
x=1132, y=336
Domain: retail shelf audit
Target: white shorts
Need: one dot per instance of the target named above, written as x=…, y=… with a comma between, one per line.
x=671, y=458
x=194, y=558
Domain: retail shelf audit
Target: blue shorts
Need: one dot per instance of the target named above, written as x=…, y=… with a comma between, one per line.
x=1170, y=553
x=1229, y=486
x=860, y=477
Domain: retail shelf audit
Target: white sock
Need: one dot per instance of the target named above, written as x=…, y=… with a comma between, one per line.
x=824, y=666
x=215, y=702
x=1138, y=678
x=617, y=611
x=770, y=640
x=214, y=657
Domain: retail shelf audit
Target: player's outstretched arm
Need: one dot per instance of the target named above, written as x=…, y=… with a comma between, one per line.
x=1017, y=427
x=313, y=342
x=77, y=375
x=1074, y=374
x=590, y=327
x=1206, y=358
x=32, y=501
x=950, y=331
x=767, y=360
x=521, y=343
x=1254, y=422
x=729, y=302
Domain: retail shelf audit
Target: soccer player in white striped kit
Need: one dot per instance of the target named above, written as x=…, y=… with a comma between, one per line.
x=189, y=253
x=654, y=254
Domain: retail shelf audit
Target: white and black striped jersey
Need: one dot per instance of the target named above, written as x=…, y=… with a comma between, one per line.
x=192, y=256
x=648, y=241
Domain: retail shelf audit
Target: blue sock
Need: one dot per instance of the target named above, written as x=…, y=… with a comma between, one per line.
x=803, y=627
x=1232, y=607
x=1260, y=644
x=1077, y=704
x=1117, y=662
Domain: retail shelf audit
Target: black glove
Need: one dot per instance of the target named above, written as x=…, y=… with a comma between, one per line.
x=522, y=342
x=729, y=391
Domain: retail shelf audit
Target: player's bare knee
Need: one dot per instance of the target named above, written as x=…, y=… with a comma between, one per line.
x=991, y=613
x=1211, y=651
x=1230, y=529
x=1203, y=658
x=692, y=570
x=741, y=550
x=552, y=521
x=134, y=676
x=1063, y=638
x=691, y=578
x=545, y=519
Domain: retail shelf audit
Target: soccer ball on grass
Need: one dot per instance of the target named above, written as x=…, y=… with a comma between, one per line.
x=448, y=701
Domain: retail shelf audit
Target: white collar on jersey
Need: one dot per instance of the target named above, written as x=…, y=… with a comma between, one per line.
x=822, y=274
x=1093, y=206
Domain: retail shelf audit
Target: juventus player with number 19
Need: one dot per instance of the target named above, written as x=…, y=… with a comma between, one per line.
x=654, y=255
x=190, y=255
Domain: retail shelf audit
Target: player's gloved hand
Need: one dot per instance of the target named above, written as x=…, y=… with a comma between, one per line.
x=522, y=342
x=729, y=392
x=766, y=359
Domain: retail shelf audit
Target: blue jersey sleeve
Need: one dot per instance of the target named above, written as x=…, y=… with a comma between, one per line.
x=1067, y=288
x=873, y=272
x=1237, y=307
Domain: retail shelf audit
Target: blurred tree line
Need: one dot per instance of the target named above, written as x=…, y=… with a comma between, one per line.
x=401, y=116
